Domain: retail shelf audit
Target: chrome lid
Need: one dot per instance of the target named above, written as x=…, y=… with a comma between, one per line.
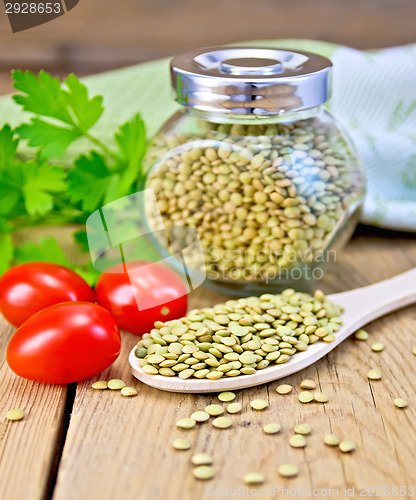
x=250, y=80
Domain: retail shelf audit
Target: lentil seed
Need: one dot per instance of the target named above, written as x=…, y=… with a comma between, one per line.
x=203, y=472
x=234, y=408
x=305, y=397
x=100, y=385
x=15, y=414
x=377, y=347
x=272, y=428
x=303, y=429
x=374, y=374
x=259, y=404
x=214, y=410
x=254, y=478
x=186, y=423
x=347, y=446
x=284, y=389
x=181, y=444
x=222, y=422
x=361, y=335
x=331, y=440
x=400, y=403
x=200, y=416
x=226, y=396
x=201, y=459
x=129, y=392
x=116, y=384
x=288, y=470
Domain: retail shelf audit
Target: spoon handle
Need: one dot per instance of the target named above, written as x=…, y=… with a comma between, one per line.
x=368, y=303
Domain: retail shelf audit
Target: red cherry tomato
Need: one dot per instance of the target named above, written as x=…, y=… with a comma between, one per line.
x=65, y=343
x=147, y=293
x=29, y=288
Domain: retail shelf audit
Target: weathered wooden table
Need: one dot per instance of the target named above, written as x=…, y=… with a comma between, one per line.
x=76, y=443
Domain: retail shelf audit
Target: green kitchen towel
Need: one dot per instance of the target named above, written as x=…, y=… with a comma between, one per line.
x=374, y=96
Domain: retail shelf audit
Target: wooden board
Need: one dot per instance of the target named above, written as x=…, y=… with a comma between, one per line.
x=121, y=448
x=99, y=35
x=28, y=448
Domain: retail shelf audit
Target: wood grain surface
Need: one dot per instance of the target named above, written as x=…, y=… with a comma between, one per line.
x=99, y=35
x=103, y=446
x=121, y=448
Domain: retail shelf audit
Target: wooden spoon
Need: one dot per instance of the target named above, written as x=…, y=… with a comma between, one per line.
x=362, y=305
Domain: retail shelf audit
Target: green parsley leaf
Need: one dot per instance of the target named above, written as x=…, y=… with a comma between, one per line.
x=54, y=140
x=42, y=95
x=89, y=181
x=33, y=183
x=86, y=111
x=131, y=140
x=48, y=249
x=46, y=97
x=6, y=252
x=8, y=147
x=94, y=184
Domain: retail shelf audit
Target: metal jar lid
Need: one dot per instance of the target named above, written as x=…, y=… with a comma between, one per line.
x=251, y=80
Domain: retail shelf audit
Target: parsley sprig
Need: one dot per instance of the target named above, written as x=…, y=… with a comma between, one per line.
x=41, y=189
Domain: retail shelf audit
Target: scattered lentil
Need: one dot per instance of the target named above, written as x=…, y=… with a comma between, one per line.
x=259, y=404
x=226, y=396
x=234, y=408
x=305, y=397
x=377, y=347
x=201, y=459
x=204, y=472
x=116, y=384
x=304, y=429
x=308, y=384
x=361, y=335
x=214, y=410
x=400, y=403
x=297, y=441
x=284, y=389
x=272, y=428
x=254, y=478
x=181, y=444
x=331, y=440
x=200, y=416
x=374, y=374
x=288, y=470
x=222, y=422
x=347, y=446
x=320, y=397
x=186, y=423
x=128, y=391
x=15, y=414
x=100, y=385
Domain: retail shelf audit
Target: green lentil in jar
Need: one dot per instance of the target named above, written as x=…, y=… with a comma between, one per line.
x=263, y=197
x=256, y=334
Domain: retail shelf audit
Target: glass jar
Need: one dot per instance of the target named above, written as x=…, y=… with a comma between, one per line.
x=258, y=166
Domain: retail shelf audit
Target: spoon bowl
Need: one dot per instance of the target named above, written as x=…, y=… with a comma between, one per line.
x=362, y=305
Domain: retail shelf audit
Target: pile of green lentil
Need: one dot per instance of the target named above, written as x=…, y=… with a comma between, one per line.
x=238, y=337
x=263, y=197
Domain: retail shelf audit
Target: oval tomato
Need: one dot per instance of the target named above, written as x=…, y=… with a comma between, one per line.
x=149, y=292
x=65, y=343
x=29, y=288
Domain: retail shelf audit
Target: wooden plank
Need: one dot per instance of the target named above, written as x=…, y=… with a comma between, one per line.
x=28, y=447
x=102, y=34
x=118, y=447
